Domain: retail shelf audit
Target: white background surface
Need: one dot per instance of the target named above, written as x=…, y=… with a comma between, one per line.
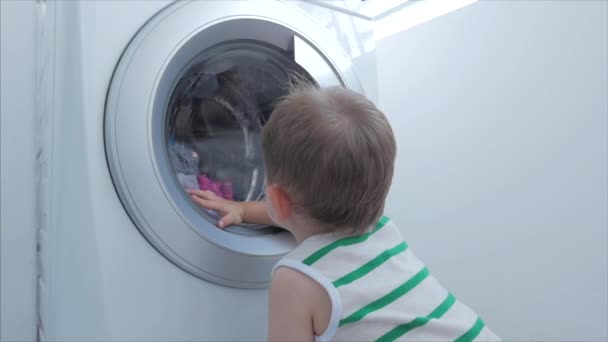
x=500, y=111
x=17, y=219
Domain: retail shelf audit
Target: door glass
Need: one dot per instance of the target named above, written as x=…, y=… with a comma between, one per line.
x=215, y=117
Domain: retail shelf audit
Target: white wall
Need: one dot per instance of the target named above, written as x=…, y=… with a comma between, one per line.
x=17, y=178
x=500, y=111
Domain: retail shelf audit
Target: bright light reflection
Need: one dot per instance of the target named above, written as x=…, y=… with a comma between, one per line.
x=415, y=14
x=374, y=8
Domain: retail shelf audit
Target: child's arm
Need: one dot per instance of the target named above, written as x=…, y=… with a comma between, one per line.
x=299, y=308
x=256, y=212
x=232, y=212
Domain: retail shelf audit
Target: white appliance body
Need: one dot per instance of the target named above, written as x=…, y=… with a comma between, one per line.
x=103, y=275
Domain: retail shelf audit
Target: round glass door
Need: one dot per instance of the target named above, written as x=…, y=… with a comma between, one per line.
x=215, y=116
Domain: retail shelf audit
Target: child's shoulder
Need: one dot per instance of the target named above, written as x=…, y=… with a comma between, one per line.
x=293, y=282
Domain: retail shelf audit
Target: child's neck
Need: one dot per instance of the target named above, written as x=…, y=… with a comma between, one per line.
x=303, y=230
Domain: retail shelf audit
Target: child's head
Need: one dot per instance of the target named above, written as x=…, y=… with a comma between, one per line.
x=329, y=152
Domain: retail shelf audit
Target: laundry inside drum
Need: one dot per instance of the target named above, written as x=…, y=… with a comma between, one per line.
x=215, y=117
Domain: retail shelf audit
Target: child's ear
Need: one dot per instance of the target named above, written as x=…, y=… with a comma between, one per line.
x=280, y=201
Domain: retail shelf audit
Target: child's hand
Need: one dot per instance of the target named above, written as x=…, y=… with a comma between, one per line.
x=231, y=211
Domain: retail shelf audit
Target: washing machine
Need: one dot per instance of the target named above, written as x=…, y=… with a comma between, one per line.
x=138, y=101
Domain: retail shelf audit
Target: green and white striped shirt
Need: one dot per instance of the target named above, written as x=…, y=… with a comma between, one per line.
x=380, y=291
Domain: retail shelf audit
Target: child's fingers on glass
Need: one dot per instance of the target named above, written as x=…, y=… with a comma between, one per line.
x=207, y=204
x=228, y=219
x=205, y=194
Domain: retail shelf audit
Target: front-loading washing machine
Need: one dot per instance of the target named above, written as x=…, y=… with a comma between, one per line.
x=139, y=101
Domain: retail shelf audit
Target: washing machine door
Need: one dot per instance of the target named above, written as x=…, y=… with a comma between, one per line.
x=185, y=109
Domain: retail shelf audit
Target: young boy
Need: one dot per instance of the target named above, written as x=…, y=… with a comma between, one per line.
x=329, y=156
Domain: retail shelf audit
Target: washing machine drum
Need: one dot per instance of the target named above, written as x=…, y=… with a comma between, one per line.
x=185, y=110
x=216, y=114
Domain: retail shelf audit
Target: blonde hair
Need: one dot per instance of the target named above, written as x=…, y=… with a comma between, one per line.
x=333, y=151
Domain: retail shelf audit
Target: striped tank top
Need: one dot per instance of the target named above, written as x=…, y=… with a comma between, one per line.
x=380, y=291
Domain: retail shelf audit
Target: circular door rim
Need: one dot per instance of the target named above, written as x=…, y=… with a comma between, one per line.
x=128, y=94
